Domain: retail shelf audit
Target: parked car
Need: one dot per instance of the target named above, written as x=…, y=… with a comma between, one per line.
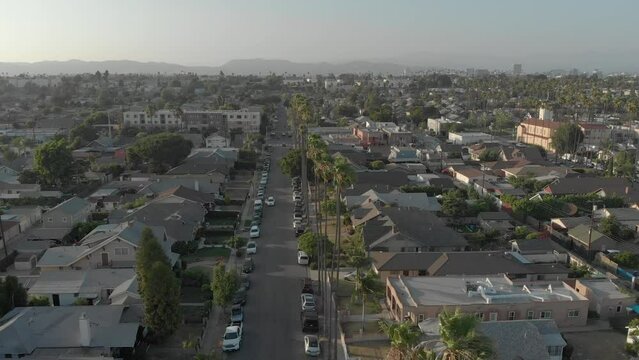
x=311, y=345
x=232, y=338
x=251, y=248
x=297, y=216
x=308, y=302
x=245, y=282
x=299, y=230
x=270, y=201
x=260, y=194
x=257, y=204
x=310, y=321
x=302, y=258
x=296, y=224
x=255, y=232
x=257, y=218
x=248, y=265
x=239, y=298
x=237, y=313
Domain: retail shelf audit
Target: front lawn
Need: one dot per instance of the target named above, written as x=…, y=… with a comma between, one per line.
x=369, y=350
x=203, y=254
x=352, y=328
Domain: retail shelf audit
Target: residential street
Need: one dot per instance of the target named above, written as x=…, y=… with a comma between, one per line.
x=272, y=326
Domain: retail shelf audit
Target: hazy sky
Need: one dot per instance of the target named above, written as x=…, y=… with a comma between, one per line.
x=211, y=32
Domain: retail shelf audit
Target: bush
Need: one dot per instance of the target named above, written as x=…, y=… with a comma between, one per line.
x=184, y=247
x=195, y=277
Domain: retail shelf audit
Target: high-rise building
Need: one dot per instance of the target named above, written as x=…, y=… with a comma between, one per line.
x=517, y=70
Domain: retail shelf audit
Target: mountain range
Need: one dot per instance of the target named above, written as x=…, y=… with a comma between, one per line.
x=607, y=61
x=240, y=67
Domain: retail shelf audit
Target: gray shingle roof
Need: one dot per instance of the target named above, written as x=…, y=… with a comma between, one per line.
x=24, y=330
x=538, y=334
x=71, y=206
x=460, y=263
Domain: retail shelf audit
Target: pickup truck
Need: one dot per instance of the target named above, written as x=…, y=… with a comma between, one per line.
x=232, y=337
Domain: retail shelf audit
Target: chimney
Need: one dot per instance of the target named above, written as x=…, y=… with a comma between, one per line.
x=85, y=330
x=197, y=185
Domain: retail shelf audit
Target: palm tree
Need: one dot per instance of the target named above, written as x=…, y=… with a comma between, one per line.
x=364, y=285
x=460, y=339
x=343, y=175
x=324, y=166
x=405, y=340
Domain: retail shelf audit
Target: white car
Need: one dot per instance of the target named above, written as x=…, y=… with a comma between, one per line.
x=296, y=224
x=232, y=338
x=311, y=345
x=302, y=258
x=308, y=302
x=260, y=194
x=251, y=247
x=270, y=201
x=255, y=232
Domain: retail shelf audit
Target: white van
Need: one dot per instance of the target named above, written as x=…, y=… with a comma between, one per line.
x=302, y=258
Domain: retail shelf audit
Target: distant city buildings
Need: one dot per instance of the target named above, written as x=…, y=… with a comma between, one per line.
x=517, y=69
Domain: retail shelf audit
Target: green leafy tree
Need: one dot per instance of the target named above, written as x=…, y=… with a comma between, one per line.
x=12, y=294
x=307, y=242
x=610, y=226
x=159, y=151
x=377, y=165
x=503, y=120
x=85, y=132
x=624, y=164
x=81, y=229
x=161, y=298
x=224, y=285
x=566, y=139
x=489, y=155
x=626, y=259
x=291, y=163
x=454, y=203
x=53, y=162
x=149, y=253
x=39, y=301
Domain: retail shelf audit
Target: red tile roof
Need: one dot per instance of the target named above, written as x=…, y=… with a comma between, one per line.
x=542, y=123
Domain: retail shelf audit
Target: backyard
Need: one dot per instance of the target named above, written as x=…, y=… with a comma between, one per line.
x=369, y=350
x=346, y=301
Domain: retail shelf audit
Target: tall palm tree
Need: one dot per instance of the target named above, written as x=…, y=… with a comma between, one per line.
x=364, y=286
x=343, y=175
x=324, y=165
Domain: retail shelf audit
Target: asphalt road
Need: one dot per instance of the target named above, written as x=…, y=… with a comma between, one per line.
x=272, y=328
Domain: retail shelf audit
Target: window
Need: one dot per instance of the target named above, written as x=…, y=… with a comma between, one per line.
x=512, y=315
x=546, y=314
x=64, y=219
x=479, y=315
x=121, y=251
x=492, y=316
x=421, y=273
x=406, y=273
x=618, y=308
x=50, y=219
x=530, y=315
x=573, y=313
x=420, y=317
x=555, y=350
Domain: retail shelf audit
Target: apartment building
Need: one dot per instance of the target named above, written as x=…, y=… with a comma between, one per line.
x=381, y=133
x=493, y=298
x=246, y=120
x=537, y=132
x=166, y=119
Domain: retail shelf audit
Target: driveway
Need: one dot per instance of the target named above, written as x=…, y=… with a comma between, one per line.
x=272, y=328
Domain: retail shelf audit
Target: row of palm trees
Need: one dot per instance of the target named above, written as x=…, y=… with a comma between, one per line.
x=331, y=175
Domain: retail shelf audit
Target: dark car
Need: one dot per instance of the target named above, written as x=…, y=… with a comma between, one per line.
x=310, y=321
x=240, y=297
x=299, y=231
x=248, y=265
